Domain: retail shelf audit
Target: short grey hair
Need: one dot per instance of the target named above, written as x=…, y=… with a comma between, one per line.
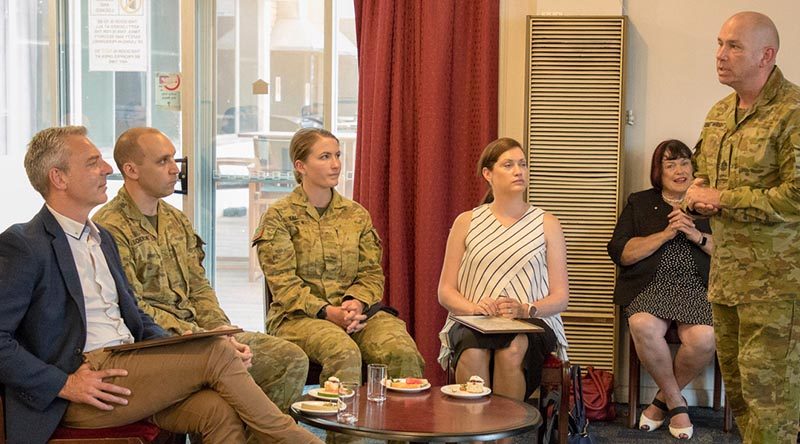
x=47, y=150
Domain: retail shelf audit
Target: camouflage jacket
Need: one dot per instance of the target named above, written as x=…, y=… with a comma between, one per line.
x=311, y=260
x=163, y=267
x=755, y=165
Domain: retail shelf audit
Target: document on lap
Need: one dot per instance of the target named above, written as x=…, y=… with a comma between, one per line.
x=171, y=340
x=497, y=324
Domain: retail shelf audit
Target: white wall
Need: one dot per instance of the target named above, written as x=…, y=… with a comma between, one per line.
x=19, y=200
x=670, y=85
x=671, y=80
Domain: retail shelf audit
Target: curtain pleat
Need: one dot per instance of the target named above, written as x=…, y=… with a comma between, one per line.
x=427, y=105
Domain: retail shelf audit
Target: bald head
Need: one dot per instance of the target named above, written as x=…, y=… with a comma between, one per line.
x=747, y=48
x=128, y=148
x=757, y=27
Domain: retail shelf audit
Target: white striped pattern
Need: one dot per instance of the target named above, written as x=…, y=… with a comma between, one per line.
x=506, y=262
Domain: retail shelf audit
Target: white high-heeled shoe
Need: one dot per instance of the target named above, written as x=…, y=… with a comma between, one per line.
x=680, y=432
x=648, y=425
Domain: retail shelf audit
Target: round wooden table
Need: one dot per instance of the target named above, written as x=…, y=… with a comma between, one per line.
x=432, y=416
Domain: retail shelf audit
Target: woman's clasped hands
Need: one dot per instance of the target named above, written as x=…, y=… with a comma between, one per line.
x=502, y=306
x=682, y=222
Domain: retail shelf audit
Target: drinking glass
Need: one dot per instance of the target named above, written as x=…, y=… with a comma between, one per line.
x=348, y=403
x=376, y=388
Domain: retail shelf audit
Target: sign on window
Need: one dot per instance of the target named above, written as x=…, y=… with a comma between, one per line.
x=117, y=35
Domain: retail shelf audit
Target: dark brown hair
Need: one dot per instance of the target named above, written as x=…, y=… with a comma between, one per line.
x=667, y=150
x=489, y=157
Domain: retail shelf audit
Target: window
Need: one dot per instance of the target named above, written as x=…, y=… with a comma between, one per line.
x=115, y=57
x=312, y=81
x=27, y=99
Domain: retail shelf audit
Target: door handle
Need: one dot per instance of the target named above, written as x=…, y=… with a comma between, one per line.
x=183, y=176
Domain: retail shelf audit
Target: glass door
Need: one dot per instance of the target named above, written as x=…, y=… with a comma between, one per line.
x=118, y=54
x=95, y=63
x=280, y=65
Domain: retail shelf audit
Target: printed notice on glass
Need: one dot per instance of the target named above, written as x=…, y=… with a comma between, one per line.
x=117, y=35
x=168, y=94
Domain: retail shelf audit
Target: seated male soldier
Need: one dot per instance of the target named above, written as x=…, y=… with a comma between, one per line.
x=162, y=255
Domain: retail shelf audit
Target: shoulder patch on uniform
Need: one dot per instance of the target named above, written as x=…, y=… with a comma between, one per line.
x=139, y=239
x=713, y=124
x=259, y=232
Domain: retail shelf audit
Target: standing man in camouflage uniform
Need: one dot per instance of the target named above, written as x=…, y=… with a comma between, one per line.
x=748, y=180
x=162, y=258
x=322, y=259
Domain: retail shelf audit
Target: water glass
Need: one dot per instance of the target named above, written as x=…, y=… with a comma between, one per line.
x=348, y=403
x=376, y=388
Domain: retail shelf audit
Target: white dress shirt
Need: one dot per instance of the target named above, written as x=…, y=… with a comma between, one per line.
x=104, y=324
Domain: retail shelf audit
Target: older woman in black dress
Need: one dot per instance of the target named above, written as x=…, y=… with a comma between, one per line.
x=664, y=259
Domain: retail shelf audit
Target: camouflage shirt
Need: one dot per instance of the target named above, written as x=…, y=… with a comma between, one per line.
x=163, y=267
x=311, y=260
x=756, y=166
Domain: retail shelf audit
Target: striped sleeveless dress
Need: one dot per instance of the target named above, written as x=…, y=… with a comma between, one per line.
x=505, y=262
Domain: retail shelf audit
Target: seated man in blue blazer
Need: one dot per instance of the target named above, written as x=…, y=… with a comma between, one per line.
x=64, y=297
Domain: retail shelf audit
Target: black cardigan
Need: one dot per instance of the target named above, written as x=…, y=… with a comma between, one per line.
x=646, y=213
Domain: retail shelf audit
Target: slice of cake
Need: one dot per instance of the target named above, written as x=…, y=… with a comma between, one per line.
x=331, y=385
x=474, y=385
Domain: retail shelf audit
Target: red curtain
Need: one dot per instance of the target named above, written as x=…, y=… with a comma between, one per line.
x=427, y=105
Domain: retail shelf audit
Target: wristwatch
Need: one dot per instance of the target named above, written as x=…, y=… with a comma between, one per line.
x=703, y=240
x=323, y=313
x=532, y=311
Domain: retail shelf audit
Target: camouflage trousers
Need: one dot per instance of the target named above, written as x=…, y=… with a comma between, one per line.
x=383, y=340
x=279, y=367
x=758, y=346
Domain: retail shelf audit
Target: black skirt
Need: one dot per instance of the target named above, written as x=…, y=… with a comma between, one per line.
x=539, y=346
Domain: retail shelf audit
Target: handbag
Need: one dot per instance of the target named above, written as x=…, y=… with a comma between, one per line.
x=598, y=386
x=578, y=423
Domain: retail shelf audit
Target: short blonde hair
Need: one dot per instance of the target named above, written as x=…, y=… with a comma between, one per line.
x=301, y=144
x=48, y=150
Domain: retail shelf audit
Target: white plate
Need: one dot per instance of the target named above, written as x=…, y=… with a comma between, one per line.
x=455, y=391
x=314, y=393
x=298, y=407
x=407, y=390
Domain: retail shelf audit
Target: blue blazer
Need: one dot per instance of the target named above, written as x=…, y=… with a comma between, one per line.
x=43, y=322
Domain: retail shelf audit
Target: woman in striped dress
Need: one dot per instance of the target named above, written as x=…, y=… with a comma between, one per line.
x=504, y=258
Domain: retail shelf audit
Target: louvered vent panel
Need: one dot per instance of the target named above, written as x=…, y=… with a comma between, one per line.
x=574, y=141
x=589, y=340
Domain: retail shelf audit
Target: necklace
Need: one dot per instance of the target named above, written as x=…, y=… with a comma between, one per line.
x=674, y=202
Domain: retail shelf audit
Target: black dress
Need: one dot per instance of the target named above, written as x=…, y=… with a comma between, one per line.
x=677, y=291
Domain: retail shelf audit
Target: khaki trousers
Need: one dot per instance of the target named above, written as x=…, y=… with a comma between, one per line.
x=758, y=346
x=198, y=386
